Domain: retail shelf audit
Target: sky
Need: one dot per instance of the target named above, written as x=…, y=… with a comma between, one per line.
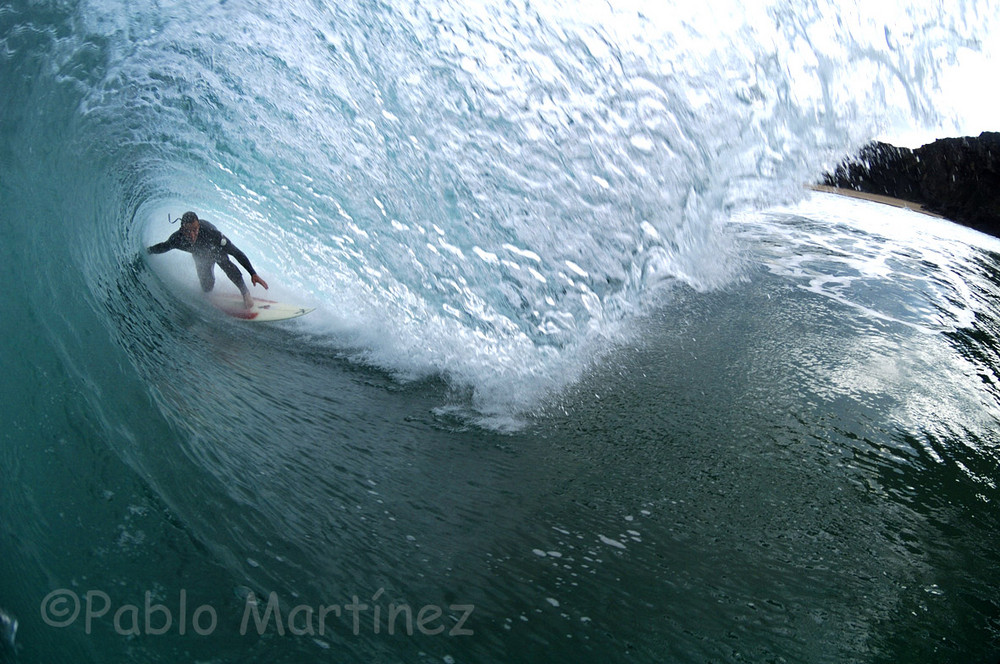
x=968, y=101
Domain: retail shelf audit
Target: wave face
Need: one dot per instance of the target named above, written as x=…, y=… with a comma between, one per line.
x=487, y=194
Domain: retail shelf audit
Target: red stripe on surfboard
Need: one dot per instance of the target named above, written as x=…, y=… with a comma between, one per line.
x=245, y=315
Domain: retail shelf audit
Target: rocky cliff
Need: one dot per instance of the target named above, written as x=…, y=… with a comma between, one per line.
x=958, y=178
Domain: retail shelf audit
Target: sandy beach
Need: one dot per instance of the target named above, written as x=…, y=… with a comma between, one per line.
x=888, y=200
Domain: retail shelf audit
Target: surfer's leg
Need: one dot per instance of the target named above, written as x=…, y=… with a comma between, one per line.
x=236, y=277
x=206, y=273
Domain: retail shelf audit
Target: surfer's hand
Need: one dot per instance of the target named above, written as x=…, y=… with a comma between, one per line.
x=257, y=281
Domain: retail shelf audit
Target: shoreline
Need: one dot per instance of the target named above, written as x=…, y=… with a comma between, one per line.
x=877, y=198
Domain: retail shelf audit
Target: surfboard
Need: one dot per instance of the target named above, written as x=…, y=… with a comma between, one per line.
x=263, y=310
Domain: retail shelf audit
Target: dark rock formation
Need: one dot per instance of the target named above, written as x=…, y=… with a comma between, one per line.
x=958, y=178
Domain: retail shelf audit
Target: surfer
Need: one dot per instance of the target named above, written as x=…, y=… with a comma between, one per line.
x=210, y=248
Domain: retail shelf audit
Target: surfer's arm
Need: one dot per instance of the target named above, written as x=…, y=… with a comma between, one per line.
x=165, y=246
x=242, y=259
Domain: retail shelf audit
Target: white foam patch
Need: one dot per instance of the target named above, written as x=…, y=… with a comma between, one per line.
x=885, y=245
x=611, y=542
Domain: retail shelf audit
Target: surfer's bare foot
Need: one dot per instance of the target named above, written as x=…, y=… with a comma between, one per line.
x=247, y=301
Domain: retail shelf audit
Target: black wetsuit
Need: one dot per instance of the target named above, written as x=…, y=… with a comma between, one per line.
x=209, y=249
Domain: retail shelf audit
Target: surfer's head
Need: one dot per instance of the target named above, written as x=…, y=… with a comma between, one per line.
x=190, y=226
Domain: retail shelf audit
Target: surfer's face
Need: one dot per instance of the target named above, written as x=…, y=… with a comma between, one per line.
x=191, y=231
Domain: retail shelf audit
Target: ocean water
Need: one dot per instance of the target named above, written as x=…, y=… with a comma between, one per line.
x=591, y=375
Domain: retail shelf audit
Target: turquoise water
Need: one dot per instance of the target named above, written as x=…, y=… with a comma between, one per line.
x=591, y=377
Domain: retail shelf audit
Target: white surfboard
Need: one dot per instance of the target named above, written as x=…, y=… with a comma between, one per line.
x=263, y=310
